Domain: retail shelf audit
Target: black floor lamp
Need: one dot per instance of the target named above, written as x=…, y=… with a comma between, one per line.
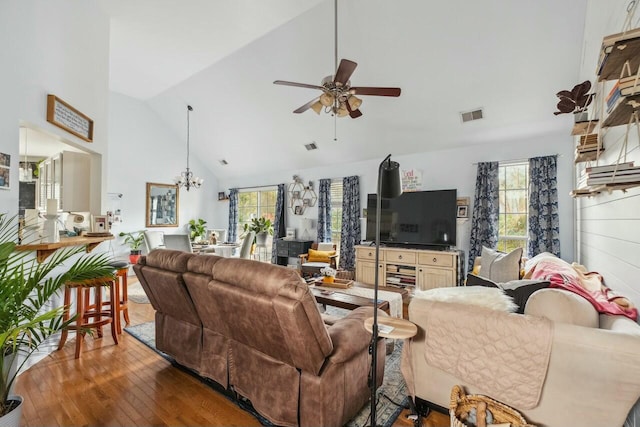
x=389, y=187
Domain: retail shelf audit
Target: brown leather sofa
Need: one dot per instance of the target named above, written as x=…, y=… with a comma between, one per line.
x=255, y=328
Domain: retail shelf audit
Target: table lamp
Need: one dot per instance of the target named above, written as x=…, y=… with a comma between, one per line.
x=389, y=187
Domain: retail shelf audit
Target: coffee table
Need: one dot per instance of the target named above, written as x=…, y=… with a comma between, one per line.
x=349, y=302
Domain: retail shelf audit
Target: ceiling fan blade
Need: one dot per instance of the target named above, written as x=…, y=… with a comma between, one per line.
x=379, y=91
x=306, y=106
x=285, y=83
x=345, y=69
x=354, y=114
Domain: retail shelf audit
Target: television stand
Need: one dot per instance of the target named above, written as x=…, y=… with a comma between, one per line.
x=410, y=268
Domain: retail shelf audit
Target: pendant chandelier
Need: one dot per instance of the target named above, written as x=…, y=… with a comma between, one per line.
x=186, y=178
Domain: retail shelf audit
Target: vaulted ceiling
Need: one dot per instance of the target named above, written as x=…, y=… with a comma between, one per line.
x=508, y=57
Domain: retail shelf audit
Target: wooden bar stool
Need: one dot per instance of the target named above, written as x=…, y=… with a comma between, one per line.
x=89, y=315
x=122, y=271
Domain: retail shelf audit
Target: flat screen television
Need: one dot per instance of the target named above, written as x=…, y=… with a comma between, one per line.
x=421, y=219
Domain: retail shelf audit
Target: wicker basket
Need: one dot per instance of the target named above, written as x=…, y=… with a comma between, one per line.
x=462, y=403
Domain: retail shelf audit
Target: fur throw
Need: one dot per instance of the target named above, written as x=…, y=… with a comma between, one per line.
x=492, y=298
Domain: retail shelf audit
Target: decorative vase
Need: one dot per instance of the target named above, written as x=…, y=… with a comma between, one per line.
x=261, y=238
x=328, y=279
x=12, y=419
x=134, y=256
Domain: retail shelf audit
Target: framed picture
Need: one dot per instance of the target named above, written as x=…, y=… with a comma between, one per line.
x=100, y=224
x=306, y=202
x=222, y=196
x=463, y=211
x=5, y=171
x=297, y=210
x=462, y=201
x=295, y=194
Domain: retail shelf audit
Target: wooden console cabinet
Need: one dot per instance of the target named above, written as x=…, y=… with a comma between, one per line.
x=408, y=268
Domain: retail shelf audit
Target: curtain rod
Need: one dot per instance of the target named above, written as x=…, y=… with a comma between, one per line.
x=518, y=160
x=255, y=186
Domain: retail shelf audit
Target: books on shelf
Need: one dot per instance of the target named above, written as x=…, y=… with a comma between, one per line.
x=609, y=168
x=590, y=139
x=615, y=179
x=612, y=174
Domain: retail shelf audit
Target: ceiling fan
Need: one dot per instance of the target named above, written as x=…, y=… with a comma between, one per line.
x=338, y=96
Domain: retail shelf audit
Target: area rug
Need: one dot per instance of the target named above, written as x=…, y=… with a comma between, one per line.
x=136, y=294
x=392, y=394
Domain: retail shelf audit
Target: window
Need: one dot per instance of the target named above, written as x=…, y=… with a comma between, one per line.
x=514, y=205
x=255, y=204
x=336, y=211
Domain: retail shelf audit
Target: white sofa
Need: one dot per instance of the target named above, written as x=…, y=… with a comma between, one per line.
x=593, y=373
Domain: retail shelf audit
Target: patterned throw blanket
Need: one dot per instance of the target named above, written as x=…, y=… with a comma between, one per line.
x=575, y=278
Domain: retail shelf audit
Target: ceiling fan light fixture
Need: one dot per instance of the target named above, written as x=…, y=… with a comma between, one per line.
x=326, y=99
x=342, y=110
x=317, y=107
x=354, y=102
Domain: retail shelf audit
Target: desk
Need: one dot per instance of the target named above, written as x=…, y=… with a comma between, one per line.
x=43, y=250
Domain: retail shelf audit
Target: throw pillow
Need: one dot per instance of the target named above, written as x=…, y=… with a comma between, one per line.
x=521, y=290
x=474, y=280
x=500, y=267
x=492, y=298
x=320, y=256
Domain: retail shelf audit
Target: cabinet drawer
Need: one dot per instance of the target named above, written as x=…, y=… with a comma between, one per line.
x=406, y=257
x=436, y=259
x=368, y=254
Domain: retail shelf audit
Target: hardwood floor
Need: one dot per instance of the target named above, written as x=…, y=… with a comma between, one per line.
x=128, y=385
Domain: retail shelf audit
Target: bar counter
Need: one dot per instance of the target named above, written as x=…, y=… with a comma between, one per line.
x=43, y=250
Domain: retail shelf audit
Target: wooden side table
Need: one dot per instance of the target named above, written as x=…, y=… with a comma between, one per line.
x=402, y=329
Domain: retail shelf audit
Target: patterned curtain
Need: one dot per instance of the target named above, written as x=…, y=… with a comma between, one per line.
x=544, y=224
x=486, y=207
x=350, y=222
x=278, y=226
x=324, y=211
x=233, y=215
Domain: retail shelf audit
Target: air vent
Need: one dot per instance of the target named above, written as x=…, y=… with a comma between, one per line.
x=311, y=146
x=223, y=162
x=468, y=116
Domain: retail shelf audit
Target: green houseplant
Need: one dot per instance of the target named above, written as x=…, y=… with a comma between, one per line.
x=134, y=239
x=26, y=286
x=197, y=229
x=262, y=227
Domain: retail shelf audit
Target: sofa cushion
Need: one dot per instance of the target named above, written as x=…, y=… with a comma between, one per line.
x=320, y=256
x=562, y=306
x=492, y=298
x=500, y=267
x=521, y=290
x=475, y=280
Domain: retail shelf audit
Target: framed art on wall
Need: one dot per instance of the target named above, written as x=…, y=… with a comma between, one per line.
x=5, y=171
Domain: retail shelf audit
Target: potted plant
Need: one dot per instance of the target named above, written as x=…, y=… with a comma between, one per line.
x=575, y=101
x=197, y=229
x=26, y=320
x=134, y=240
x=262, y=226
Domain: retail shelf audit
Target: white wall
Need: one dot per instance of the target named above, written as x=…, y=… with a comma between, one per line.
x=447, y=169
x=51, y=47
x=608, y=237
x=143, y=149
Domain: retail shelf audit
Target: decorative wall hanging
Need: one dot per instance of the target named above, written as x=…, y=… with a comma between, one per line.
x=68, y=118
x=301, y=196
